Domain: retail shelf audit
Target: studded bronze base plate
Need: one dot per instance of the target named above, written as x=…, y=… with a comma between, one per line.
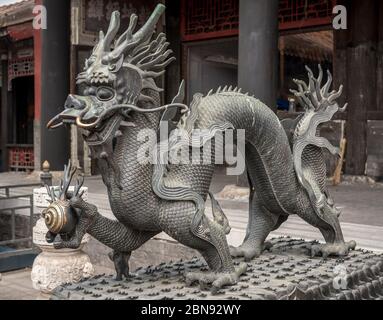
x=286, y=271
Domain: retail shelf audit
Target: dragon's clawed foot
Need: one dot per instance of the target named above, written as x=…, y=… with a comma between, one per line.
x=86, y=214
x=73, y=243
x=121, y=263
x=249, y=250
x=332, y=249
x=217, y=280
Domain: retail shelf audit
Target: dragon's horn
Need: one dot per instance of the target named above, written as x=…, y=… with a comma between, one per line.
x=128, y=41
x=114, y=26
x=147, y=30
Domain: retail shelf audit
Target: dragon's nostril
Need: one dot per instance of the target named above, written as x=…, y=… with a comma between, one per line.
x=74, y=103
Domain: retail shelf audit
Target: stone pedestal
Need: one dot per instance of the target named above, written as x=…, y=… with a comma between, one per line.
x=285, y=272
x=52, y=267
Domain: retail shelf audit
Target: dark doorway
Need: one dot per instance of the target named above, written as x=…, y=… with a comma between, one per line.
x=22, y=110
x=1, y=138
x=211, y=64
x=20, y=125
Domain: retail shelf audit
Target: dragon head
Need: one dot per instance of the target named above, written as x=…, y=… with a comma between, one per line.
x=115, y=75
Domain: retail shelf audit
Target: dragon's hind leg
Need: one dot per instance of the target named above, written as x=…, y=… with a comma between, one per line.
x=325, y=218
x=320, y=210
x=261, y=223
x=314, y=204
x=335, y=245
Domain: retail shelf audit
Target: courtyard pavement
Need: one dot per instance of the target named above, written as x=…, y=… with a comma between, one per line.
x=17, y=285
x=361, y=219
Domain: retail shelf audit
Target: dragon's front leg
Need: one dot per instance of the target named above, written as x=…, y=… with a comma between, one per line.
x=181, y=221
x=121, y=263
x=113, y=234
x=216, y=252
x=217, y=280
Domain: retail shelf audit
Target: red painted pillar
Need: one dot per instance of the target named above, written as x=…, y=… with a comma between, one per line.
x=4, y=111
x=37, y=121
x=51, y=47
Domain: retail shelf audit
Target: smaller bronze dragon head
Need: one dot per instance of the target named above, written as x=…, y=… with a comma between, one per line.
x=60, y=217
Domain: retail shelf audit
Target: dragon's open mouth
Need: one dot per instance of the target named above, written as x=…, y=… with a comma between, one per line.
x=89, y=118
x=104, y=132
x=83, y=111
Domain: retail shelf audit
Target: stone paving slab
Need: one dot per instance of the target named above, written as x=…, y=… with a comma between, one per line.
x=17, y=285
x=284, y=272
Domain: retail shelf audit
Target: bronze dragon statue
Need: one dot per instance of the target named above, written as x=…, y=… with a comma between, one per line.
x=284, y=160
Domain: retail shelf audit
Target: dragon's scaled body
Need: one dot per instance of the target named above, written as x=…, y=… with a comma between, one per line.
x=284, y=160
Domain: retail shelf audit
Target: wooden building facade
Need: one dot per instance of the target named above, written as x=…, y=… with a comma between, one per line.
x=259, y=45
x=212, y=43
x=17, y=87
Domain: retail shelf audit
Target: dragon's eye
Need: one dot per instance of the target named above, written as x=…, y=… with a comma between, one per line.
x=89, y=91
x=104, y=93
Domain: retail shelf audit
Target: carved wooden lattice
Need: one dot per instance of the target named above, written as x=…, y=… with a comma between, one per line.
x=202, y=19
x=96, y=13
x=304, y=13
x=21, y=158
x=20, y=68
x=206, y=19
